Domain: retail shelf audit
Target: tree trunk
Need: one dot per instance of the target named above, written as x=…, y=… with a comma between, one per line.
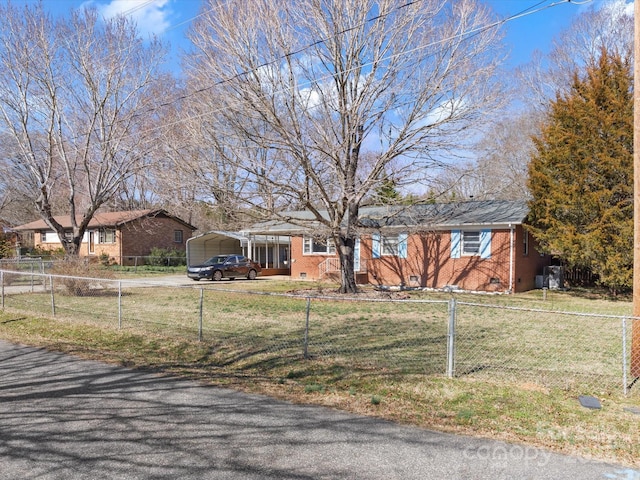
x=303, y=148
x=346, y=252
x=71, y=247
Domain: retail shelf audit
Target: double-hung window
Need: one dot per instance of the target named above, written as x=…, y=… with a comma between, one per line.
x=49, y=237
x=471, y=243
x=107, y=235
x=314, y=246
x=389, y=245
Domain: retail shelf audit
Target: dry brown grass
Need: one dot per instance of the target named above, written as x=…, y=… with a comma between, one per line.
x=239, y=351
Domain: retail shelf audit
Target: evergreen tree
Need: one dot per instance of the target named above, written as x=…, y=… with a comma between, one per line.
x=387, y=194
x=581, y=174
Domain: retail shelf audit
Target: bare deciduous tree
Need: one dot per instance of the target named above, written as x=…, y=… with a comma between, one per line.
x=304, y=89
x=502, y=158
x=501, y=168
x=215, y=180
x=609, y=27
x=73, y=97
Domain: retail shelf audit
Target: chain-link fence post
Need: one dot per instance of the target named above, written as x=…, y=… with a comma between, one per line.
x=624, y=356
x=451, y=338
x=2, y=282
x=201, y=311
x=119, y=305
x=306, y=329
x=53, y=298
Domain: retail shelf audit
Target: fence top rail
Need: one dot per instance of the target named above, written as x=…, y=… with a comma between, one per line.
x=55, y=275
x=323, y=297
x=20, y=260
x=130, y=282
x=541, y=310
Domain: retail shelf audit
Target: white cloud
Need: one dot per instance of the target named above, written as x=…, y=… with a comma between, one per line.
x=151, y=16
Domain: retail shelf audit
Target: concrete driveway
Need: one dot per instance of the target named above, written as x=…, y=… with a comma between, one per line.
x=65, y=418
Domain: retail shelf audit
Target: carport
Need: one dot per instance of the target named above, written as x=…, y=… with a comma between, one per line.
x=271, y=251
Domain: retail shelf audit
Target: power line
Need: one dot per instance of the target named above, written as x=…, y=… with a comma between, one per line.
x=531, y=10
x=536, y=8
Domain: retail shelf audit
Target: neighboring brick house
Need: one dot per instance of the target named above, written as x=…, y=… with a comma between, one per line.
x=477, y=246
x=123, y=236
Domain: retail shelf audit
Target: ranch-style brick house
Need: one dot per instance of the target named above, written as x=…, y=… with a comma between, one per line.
x=122, y=236
x=474, y=246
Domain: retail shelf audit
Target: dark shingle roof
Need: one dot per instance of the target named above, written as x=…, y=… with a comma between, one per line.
x=438, y=215
x=425, y=216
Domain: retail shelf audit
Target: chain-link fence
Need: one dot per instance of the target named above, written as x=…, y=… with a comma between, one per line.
x=572, y=350
x=26, y=264
x=122, y=264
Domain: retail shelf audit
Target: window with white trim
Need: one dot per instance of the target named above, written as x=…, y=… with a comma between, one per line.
x=177, y=236
x=311, y=246
x=49, y=237
x=390, y=245
x=471, y=243
x=107, y=235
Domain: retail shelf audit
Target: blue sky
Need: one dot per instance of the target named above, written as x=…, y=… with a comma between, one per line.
x=170, y=18
x=535, y=31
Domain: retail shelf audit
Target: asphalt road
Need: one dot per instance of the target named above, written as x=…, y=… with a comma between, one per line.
x=65, y=418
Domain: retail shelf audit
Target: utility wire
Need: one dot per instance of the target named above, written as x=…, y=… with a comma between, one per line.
x=536, y=8
x=471, y=33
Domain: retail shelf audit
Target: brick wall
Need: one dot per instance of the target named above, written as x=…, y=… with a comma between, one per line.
x=528, y=264
x=429, y=263
x=38, y=243
x=136, y=238
x=304, y=266
x=140, y=236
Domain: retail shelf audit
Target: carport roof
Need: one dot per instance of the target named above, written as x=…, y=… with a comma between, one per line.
x=221, y=233
x=242, y=237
